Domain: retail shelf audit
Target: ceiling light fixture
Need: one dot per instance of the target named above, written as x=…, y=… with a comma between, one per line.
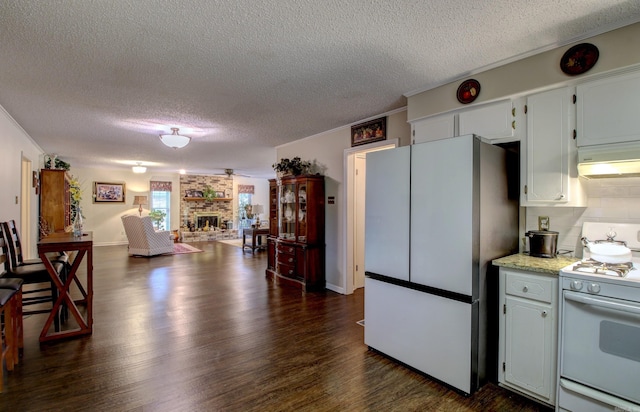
x=174, y=139
x=139, y=168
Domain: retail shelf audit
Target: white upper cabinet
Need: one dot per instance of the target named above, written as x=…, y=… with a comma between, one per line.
x=549, y=156
x=434, y=128
x=493, y=121
x=608, y=110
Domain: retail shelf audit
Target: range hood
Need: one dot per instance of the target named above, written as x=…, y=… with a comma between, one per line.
x=615, y=160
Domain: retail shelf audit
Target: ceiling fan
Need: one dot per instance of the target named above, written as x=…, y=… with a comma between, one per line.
x=230, y=173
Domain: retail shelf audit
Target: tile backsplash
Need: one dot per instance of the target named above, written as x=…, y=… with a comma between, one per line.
x=609, y=200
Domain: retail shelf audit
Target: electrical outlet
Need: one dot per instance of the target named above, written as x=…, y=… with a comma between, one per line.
x=543, y=223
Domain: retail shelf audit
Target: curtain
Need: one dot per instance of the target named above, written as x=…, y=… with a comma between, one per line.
x=160, y=186
x=245, y=189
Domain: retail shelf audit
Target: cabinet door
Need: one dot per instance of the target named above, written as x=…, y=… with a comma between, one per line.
x=273, y=208
x=494, y=121
x=434, y=128
x=551, y=154
x=608, y=110
x=529, y=346
x=287, y=212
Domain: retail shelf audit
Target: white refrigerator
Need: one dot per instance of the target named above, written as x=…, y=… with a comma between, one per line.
x=436, y=214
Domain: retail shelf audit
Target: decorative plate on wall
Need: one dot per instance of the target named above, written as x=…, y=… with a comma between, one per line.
x=468, y=91
x=579, y=59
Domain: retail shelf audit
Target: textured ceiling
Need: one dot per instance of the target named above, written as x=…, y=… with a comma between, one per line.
x=96, y=81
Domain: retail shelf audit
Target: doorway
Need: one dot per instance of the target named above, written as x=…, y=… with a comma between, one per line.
x=26, y=182
x=355, y=169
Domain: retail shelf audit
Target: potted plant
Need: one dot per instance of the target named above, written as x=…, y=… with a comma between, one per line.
x=157, y=216
x=209, y=193
x=295, y=166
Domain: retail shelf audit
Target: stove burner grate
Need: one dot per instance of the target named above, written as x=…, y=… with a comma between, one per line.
x=593, y=266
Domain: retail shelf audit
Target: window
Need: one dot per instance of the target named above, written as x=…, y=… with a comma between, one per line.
x=161, y=200
x=245, y=193
x=244, y=199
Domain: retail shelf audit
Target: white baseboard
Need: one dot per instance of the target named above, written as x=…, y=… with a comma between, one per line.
x=335, y=288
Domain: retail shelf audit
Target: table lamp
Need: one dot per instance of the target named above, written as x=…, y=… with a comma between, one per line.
x=139, y=201
x=257, y=209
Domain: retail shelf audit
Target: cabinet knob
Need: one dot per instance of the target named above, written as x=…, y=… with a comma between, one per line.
x=525, y=289
x=544, y=313
x=290, y=260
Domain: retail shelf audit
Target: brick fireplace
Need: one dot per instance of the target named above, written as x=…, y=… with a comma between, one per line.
x=219, y=209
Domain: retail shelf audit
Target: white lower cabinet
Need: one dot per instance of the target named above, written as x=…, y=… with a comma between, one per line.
x=528, y=333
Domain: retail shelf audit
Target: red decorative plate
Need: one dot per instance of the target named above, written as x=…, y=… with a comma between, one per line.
x=468, y=91
x=579, y=59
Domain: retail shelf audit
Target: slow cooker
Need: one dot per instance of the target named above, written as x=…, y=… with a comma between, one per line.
x=542, y=243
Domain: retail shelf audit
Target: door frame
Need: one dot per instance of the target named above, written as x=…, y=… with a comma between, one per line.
x=351, y=207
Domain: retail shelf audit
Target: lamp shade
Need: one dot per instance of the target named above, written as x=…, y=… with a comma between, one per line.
x=175, y=140
x=139, y=201
x=257, y=209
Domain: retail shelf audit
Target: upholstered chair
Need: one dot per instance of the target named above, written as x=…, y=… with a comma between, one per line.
x=144, y=240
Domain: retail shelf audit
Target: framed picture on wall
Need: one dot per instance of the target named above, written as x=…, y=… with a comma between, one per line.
x=369, y=132
x=108, y=192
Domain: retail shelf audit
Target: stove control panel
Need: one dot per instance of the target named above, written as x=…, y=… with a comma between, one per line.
x=593, y=288
x=576, y=285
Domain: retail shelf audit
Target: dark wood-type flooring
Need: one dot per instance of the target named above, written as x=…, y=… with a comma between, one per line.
x=207, y=332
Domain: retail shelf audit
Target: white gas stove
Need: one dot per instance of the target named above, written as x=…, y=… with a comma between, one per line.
x=599, y=348
x=604, y=279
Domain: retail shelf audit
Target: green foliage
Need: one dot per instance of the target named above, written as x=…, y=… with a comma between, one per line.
x=157, y=216
x=59, y=164
x=295, y=166
x=209, y=193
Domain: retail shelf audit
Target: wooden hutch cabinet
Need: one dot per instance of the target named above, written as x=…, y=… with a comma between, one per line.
x=55, y=199
x=295, y=246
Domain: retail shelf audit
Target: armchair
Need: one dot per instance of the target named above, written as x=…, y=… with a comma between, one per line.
x=144, y=240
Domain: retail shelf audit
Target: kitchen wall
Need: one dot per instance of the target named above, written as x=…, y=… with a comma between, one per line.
x=541, y=71
x=610, y=200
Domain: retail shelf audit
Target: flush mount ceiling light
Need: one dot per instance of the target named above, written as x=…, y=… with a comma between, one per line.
x=174, y=139
x=139, y=168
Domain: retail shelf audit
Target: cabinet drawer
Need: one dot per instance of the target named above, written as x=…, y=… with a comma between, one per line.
x=286, y=259
x=286, y=270
x=529, y=286
x=287, y=249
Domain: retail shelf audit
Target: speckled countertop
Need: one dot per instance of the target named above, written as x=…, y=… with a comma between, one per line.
x=535, y=264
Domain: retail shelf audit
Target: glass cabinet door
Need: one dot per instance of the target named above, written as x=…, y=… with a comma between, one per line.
x=302, y=213
x=287, y=212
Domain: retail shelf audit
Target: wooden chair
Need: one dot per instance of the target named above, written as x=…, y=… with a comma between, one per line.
x=15, y=248
x=31, y=274
x=16, y=285
x=9, y=338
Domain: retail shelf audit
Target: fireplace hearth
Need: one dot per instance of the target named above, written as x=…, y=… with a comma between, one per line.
x=200, y=220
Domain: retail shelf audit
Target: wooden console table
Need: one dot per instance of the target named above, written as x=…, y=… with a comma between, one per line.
x=82, y=246
x=255, y=234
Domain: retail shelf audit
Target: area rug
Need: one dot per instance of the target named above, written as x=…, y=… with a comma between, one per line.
x=179, y=248
x=232, y=242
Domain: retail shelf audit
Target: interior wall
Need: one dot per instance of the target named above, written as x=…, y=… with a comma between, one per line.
x=328, y=150
x=609, y=200
x=104, y=218
x=16, y=146
x=535, y=72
